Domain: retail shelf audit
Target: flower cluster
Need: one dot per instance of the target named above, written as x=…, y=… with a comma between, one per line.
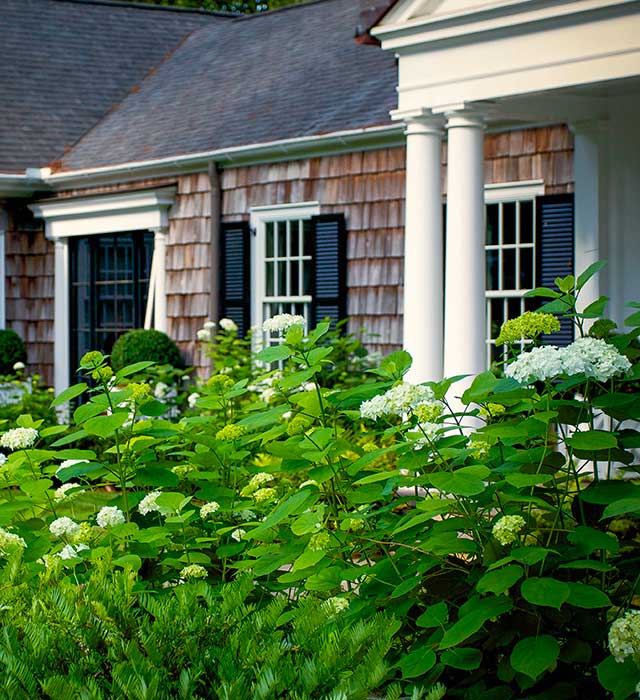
x=507, y=529
x=109, y=516
x=193, y=571
x=140, y=392
x=209, y=509
x=256, y=482
x=19, y=438
x=102, y=374
x=228, y=325
x=192, y=399
x=66, y=492
x=262, y=495
x=398, y=401
x=93, y=358
x=207, y=332
x=70, y=463
x=624, y=637
x=70, y=551
x=149, y=504
x=3, y=459
x=64, y=526
x=590, y=356
x=333, y=606
x=319, y=541
x=18, y=366
x=230, y=432
x=282, y=323
x=238, y=534
x=530, y=325
x=9, y=541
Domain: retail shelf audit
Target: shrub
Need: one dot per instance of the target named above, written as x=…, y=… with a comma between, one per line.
x=145, y=345
x=12, y=350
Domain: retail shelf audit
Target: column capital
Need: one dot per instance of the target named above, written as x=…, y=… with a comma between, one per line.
x=160, y=231
x=468, y=118
x=420, y=121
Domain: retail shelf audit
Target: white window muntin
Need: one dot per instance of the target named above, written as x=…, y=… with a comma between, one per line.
x=279, y=261
x=510, y=254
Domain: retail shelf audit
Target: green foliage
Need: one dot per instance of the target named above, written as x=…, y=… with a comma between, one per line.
x=145, y=345
x=499, y=538
x=12, y=350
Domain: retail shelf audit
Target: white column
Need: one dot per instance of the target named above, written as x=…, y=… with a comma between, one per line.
x=3, y=281
x=61, y=328
x=464, y=314
x=160, y=267
x=589, y=173
x=423, y=256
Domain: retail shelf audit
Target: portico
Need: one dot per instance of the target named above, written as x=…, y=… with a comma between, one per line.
x=467, y=67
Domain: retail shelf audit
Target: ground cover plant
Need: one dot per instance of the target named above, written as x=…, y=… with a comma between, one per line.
x=493, y=538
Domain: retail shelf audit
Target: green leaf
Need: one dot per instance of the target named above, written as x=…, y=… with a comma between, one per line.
x=132, y=369
x=592, y=440
x=68, y=394
x=434, y=616
x=466, y=481
x=417, y=662
x=587, y=274
x=588, y=540
x=105, y=426
x=546, y=591
x=619, y=678
x=525, y=480
x=292, y=505
x=310, y=557
x=464, y=658
x=624, y=505
x=478, y=611
x=582, y=595
x=534, y=655
x=595, y=309
x=633, y=320
x=68, y=439
x=394, y=366
x=543, y=292
x=500, y=580
x=152, y=408
x=273, y=353
x=129, y=561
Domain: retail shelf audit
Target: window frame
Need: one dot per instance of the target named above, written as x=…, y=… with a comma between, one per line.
x=260, y=216
x=503, y=193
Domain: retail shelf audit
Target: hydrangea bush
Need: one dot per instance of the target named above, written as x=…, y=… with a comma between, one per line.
x=501, y=542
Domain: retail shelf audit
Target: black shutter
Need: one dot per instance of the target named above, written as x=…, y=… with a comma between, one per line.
x=330, y=268
x=554, y=250
x=235, y=280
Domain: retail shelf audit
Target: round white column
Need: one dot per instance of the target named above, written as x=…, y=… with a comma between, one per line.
x=423, y=261
x=159, y=261
x=464, y=315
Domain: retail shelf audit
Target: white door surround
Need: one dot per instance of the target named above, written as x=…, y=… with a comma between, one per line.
x=109, y=213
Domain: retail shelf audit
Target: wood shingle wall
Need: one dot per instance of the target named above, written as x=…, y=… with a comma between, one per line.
x=367, y=187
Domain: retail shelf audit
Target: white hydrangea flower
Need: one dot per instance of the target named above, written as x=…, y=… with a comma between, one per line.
x=246, y=515
x=228, y=325
x=3, y=459
x=160, y=390
x=397, y=401
x=208, y=509
x=428, y=432
x=10, y=541
x=335, y=605
x=209, y=326
x=595, y=358
x=281, y=323
x=109, y=516
x=204, y=335
x=192, y=398
x=256, y=481
x=67, y=491
x=64, y=526
x=238, y=534
x=624, y=637
x=70, y=551
x=148, y=504
x=18, y=366
x=538, y=365
x=506, y=529
x=19, y=438
x=193, y=571
x=70, y=463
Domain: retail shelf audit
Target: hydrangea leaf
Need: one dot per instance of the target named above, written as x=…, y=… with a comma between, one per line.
x=592, y=440
x=464, y=658
x=417, y=663
x=545, y=591
x=500, y=580
x=582, y=595
x=619, y=678
x=534, y=655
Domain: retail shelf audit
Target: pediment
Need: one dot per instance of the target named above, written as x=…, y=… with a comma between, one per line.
x=408, y=10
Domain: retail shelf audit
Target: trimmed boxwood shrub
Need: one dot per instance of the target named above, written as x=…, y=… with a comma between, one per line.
x=12, y=350
x=145, y=345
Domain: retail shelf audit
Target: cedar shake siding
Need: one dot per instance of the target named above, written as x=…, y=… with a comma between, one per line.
x=29, y=289
x=367, y=187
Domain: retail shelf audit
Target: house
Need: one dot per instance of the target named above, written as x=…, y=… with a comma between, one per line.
x=162, y=167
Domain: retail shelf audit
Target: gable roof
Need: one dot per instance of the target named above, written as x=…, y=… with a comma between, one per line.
x=288, y=73
x=67, y=62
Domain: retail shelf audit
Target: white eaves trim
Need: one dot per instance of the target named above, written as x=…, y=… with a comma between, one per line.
x=83, y=216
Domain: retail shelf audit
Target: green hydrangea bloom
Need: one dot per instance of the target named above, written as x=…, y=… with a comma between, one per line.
x=530, y=325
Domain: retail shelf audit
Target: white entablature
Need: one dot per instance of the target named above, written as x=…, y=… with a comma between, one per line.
x=459, y=51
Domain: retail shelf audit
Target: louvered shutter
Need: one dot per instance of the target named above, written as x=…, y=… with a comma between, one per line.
x=555, y=250
x=235, y=280
x=330, y=268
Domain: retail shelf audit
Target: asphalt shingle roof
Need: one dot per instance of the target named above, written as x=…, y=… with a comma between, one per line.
x=288, y=73
x=65, y=63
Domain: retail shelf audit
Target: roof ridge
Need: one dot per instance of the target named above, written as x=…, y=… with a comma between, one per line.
x=157, y=8
x=284, y=8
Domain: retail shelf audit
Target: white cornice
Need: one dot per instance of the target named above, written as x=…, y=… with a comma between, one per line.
x=18, y=185
x=107, y=213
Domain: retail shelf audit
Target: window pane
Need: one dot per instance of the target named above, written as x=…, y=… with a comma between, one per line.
x=526, y=222
x=282, y=279
x=269, y=285
x=492, y=224
x=295, y=239
x=307, y=237
x=526, y=268
x=282, y=238
x=497, y=317
x=307, y=277
x=295, y=278
x=513, y=307
x=509, y=222
x=493, y=280
x=269, y=229
x=509, y=269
